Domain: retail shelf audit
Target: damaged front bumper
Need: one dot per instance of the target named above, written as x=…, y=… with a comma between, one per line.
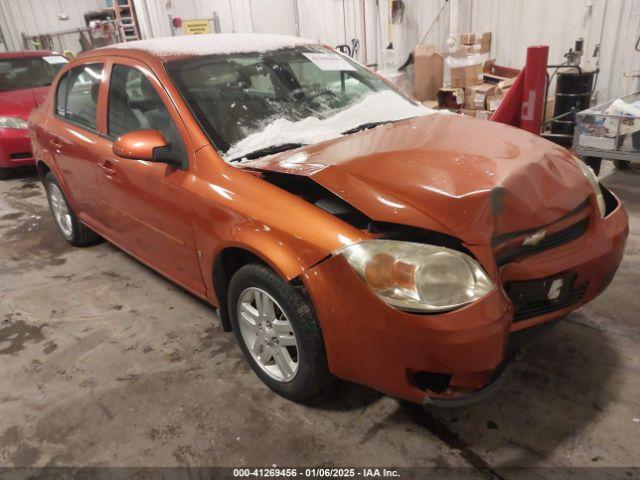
x=499, y=377
x=460, y=357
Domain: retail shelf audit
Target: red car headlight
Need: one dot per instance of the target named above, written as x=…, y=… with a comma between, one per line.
x=13, y=122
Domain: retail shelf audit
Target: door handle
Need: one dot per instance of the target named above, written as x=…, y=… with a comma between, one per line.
x=105, y=167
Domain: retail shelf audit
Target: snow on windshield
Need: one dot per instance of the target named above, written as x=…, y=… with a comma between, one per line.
x=379, y=106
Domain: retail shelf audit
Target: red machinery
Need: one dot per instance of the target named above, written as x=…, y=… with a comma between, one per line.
x=523, y=104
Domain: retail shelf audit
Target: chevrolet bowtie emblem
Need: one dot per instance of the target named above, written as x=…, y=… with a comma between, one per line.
x=534, y=238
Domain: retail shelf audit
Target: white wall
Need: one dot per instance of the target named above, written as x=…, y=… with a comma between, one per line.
x=329, y=21
x=40, y=16
x=515, y=24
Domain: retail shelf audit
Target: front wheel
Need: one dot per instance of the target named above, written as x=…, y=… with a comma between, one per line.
x=277, y=331
x=73, y=231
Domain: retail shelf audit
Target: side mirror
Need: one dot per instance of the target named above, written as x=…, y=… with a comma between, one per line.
x=148, y=145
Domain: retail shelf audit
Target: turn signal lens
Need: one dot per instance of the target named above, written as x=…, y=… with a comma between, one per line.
x=418, y=277
x=383, y=272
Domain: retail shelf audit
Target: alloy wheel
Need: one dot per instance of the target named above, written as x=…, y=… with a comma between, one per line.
x=268, y=334
x=60, y=210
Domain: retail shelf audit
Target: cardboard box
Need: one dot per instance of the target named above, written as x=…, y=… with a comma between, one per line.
x=485, y=42
x=495, y=98
x=479, y=114
x=469, y=49
x=494, y=101
x=468, y=76
x=450, y=98
x=499, y=82
x=480, y=41
x=501, y=76
x=467, y=38
x=428, y=72
x=475, y=97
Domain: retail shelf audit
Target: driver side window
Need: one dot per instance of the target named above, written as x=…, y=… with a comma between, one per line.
x=134, y=105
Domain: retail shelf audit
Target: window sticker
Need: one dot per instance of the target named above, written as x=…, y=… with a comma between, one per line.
x=54, y=59
x=330, y=62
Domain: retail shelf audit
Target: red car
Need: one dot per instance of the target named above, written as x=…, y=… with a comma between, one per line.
x=25, y=78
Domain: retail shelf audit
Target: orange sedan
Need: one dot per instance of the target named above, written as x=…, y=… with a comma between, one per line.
x=341, y=229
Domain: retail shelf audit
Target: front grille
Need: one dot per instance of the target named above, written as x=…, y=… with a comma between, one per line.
x=554, y=240
x=542, y=307
x=20, y=156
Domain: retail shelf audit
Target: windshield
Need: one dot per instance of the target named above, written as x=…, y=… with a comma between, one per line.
x=251, y=101
x=29, y=72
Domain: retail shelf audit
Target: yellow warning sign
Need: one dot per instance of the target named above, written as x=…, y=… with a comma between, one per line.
x=196, y=27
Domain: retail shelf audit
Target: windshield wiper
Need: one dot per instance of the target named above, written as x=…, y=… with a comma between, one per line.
x=261, y=152
x=366, y=126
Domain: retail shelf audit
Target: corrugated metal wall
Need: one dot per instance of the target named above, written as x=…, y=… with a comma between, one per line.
x=515, y=24
x=40, y=16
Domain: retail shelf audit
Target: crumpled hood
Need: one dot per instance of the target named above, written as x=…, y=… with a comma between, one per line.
x=469, y=178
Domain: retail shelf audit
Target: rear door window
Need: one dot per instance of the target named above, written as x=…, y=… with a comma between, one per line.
x=77, y=96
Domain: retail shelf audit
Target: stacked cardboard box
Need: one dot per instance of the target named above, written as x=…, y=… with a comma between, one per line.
x=476, y=85
x=463, y=80
x=472, y=94
x=475, y=42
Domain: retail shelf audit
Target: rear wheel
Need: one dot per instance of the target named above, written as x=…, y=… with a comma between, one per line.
x=73, y=231
x=278, y=333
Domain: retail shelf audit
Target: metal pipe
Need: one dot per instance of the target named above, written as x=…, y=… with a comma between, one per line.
x=363, y=4
x=296, y=13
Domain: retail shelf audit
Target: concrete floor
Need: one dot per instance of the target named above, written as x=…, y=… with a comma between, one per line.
x=105, y=362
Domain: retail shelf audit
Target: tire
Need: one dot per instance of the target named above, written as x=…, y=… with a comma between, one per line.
x=6, y=173
x=72, y=230
x=310, y=375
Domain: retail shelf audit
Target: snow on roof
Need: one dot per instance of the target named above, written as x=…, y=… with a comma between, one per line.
x=216, y=43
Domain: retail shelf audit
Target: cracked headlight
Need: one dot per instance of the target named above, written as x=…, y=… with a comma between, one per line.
x=418, y=277
x=593, y=180
x=13, y=122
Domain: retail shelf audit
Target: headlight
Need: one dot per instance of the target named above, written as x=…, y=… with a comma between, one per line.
x=593, y=180
x=418, y=277
x=13, y=122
